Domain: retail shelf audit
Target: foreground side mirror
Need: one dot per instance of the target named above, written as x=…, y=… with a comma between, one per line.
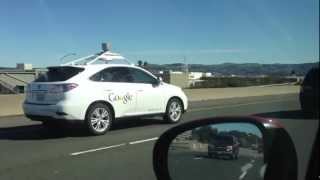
x=158, y=81
x=225, y=148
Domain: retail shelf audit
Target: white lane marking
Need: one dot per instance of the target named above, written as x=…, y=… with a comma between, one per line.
x=263, y=170
x=97, y=149
x=270, y=85
x=235, y=105
x=244, y=173
x=197, y=158
x=143, y=140
x=245, y=168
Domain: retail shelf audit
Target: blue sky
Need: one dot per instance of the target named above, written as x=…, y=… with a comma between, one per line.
x=206, y=31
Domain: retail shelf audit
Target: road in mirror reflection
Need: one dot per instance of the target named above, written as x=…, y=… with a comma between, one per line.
x=220, y=151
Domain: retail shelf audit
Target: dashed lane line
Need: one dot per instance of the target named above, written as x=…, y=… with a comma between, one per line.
x=97, y=149
x=142, y=141
x=112, y=146
x=245, y=169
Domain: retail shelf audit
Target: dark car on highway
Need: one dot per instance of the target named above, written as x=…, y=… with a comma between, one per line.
x=224, y=146
x=309, y=94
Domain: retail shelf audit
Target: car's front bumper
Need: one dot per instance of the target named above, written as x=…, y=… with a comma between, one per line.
x=220, y=152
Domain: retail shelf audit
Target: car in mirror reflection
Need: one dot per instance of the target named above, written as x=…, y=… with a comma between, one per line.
x=225, y=148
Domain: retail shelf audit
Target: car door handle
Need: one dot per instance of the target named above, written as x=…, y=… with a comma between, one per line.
x=108, y=90
x=140, y=90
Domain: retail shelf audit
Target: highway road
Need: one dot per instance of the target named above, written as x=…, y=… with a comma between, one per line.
x=189, y=165
x=28, y=151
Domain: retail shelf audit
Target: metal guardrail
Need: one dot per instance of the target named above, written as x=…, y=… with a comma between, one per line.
x=8, y=75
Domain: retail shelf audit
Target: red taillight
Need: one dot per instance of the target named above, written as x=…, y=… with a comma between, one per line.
x=68, y=87
x=61, y=88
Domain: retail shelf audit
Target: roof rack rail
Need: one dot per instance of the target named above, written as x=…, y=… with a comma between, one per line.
x=104, y=57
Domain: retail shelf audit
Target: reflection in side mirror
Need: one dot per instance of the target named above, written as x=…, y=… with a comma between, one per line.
x=223, y=151
x=226, y=148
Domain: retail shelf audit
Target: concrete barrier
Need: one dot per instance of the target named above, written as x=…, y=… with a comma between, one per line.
x=224, y=93
x=12, y=104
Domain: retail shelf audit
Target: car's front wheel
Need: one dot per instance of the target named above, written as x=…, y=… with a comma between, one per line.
x=99, y=119
x=174, y=111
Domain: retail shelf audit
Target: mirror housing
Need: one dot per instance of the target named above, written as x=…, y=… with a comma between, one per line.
x=279, y=152
x=158, y=81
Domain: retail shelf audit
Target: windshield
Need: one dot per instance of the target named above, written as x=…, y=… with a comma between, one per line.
x=64, y=115
x=223, y=140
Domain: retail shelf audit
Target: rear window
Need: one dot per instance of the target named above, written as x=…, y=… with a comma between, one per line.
x=59, y=74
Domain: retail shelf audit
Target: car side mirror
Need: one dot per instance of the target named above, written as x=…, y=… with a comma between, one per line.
x=205, y=149
x=158, y=81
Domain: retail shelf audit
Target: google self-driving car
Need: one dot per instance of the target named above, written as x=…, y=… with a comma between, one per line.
x=97, y=90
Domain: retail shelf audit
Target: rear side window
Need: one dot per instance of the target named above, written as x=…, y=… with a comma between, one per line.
x=113, y=74
x=59, y=74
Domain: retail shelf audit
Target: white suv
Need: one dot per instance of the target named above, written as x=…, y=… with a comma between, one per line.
x=97, y=94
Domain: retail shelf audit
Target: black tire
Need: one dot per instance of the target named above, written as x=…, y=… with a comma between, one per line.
x=231, y=157
x=103, y=124
x=170, y=118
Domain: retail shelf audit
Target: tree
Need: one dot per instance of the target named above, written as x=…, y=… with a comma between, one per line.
x=204, y=134
x=140, y=63
x=145, y=64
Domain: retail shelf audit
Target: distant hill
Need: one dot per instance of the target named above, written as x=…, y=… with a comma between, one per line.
x=241, y=69
x=2, y=68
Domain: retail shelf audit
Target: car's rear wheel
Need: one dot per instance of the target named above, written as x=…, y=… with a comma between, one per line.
x=174, y=111
x=99, y=119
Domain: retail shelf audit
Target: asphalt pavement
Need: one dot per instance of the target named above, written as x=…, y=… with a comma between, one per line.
x=28, y=151
x=186, y=164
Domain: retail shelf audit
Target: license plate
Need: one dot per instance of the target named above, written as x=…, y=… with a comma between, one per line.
x=40, y=96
